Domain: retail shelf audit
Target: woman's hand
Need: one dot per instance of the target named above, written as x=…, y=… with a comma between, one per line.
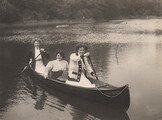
x=93, y=74
x=45, y=76
x=86, y=54
x=42, y=50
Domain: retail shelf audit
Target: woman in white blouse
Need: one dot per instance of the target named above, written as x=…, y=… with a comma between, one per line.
x=79, y=67
x=57, y=68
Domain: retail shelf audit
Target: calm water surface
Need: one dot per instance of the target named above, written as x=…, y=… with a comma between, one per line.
x=123, y=52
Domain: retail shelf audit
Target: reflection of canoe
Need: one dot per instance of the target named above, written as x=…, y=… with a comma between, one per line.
x=104, y=93
x=78, y=108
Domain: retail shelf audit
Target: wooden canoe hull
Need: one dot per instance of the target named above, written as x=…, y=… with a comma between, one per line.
x=110, y=95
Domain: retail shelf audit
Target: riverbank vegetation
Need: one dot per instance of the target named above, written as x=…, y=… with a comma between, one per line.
x=12, y=11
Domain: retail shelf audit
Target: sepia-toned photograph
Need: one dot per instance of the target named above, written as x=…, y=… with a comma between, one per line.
x=80, y=59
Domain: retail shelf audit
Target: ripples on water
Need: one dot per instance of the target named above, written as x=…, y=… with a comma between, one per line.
x=118, y=31
x=34, y=102
x=123, y=52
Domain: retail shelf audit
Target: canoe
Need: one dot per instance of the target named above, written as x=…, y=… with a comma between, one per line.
x=103, y=93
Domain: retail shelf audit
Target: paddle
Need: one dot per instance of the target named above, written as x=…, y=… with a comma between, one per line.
x=93, y=67
x=28, y=65
x=105, y=84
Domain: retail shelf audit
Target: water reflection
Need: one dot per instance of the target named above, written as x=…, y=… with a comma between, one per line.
x=41, y=101
x=78, y=108
x=10, y=56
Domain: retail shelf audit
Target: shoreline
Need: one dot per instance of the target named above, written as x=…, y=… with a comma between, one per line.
x=32, y=23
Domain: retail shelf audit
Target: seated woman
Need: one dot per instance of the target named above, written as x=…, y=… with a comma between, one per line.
x=78, y=68
x=37, y=56
x=57, y=68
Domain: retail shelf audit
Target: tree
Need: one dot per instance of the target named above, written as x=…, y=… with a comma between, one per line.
x=8, y=12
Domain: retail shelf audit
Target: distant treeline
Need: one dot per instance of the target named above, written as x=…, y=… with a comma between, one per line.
x=20, y=10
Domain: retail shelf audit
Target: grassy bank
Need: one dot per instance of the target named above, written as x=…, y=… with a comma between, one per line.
x=46, y=22
x=56, y=22
x=116, y=31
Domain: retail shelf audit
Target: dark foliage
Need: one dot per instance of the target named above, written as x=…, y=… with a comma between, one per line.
x=16, y=10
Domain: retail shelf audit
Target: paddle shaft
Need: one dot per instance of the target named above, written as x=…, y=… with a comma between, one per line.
x=93, y=67
x=28, y=65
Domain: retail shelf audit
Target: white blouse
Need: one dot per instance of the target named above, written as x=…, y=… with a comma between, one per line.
x=39, y=66
x=37, y=52
x=56, y=65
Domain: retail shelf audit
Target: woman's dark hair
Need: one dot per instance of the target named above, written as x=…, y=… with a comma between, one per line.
x=80, y=46
x=61, y=53
x=36, y=39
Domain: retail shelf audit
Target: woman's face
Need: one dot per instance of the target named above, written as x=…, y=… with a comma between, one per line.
x=58, y=56
x=81, y=51
x=36, y=44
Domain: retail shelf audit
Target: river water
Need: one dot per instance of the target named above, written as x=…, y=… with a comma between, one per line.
x=122, y=51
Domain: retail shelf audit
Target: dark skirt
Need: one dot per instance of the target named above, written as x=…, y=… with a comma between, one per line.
x=55, y=75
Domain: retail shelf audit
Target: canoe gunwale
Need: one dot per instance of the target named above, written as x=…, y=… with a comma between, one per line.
x=80, y=87
x=117, y=95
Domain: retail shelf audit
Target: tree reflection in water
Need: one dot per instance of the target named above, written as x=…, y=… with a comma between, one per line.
x=78, y=108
